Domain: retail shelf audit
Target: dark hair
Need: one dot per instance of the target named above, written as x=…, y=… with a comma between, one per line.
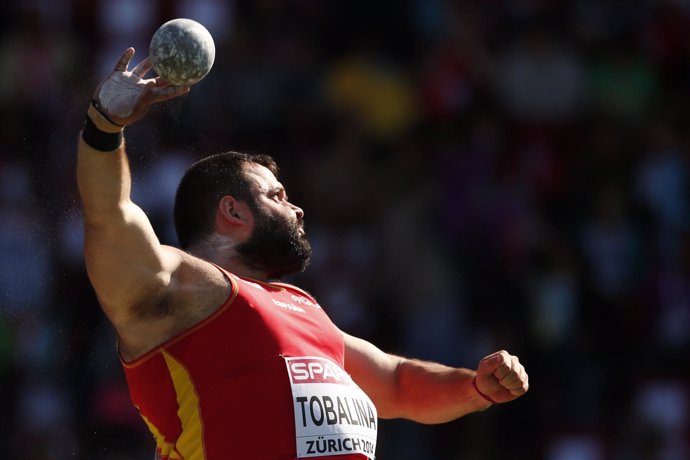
x=204, y=184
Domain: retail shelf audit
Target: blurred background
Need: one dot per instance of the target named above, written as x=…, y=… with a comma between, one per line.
x=476, y=175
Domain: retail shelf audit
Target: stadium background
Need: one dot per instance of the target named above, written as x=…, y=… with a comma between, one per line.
x=476, y=175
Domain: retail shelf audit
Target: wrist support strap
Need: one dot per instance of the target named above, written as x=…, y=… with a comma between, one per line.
x=100, y=133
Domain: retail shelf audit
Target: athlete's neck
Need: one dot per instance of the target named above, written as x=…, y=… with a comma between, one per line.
x=220, y=250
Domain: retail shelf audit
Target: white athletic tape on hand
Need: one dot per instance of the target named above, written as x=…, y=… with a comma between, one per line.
x=118, y=97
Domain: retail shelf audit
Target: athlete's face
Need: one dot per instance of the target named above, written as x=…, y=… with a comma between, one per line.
x=278, y=243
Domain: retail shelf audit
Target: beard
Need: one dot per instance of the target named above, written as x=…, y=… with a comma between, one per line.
x=276, y=246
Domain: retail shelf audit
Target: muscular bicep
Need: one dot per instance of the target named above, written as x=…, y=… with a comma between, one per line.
x=376, y=373
x=126, y=263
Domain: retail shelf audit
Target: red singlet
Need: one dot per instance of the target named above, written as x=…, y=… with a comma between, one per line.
x=258, y=379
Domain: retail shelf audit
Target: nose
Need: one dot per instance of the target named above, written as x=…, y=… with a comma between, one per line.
x=299, y=211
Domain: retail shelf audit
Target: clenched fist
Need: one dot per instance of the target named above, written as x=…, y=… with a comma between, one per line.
x=501, y=378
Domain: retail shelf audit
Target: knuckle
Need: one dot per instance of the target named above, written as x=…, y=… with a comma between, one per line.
x=502, y=357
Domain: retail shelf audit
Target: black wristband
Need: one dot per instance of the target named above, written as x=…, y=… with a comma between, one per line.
x=100, y=140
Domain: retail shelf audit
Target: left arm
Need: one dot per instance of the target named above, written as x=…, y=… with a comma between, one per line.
x=428, y=392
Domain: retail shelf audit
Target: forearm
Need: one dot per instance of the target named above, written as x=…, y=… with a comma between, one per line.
x=433, y=393
x=407, y=388
x=104, y=183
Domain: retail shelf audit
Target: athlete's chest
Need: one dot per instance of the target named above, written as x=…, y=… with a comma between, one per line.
x=293, y=321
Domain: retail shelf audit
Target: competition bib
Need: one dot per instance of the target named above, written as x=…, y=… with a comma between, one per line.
x=333, y=416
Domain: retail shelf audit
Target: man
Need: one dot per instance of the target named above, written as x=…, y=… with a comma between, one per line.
x=221, y=363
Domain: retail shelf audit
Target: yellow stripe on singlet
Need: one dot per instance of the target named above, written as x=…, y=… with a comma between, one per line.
x=165, y=449
x=191, y=441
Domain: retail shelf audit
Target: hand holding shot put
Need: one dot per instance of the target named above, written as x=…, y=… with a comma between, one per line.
x=181, y=52
x=126, y=95
x=210, y=341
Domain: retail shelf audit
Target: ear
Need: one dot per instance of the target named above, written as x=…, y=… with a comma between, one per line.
x=232, y=215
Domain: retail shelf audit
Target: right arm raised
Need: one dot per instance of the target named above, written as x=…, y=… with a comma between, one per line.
x=128, y=267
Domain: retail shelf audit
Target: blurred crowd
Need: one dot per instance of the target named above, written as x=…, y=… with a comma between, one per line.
x=476, y=175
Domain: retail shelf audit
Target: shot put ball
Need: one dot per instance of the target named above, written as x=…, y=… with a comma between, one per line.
x=182, y=51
